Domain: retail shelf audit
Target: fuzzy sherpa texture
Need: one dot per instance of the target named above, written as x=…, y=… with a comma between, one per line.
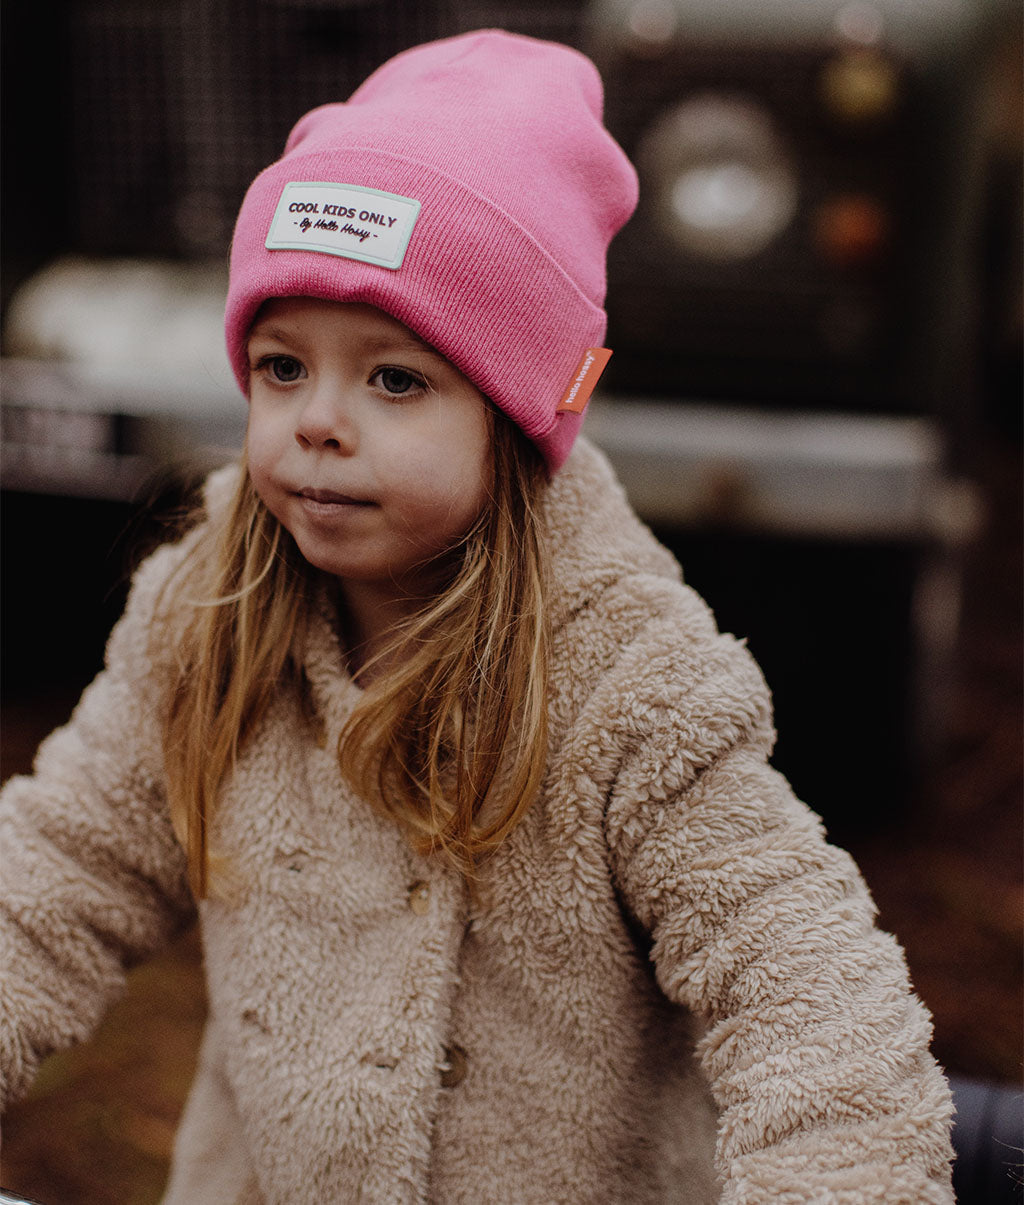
x=671, y=990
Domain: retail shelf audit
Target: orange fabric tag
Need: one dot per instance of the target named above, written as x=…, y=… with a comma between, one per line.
x=594, y=362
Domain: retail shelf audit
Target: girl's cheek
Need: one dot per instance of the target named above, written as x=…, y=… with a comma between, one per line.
x=256, y=461
x=259, y=443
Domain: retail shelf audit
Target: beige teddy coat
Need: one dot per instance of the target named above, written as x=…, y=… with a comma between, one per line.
x=668, y=952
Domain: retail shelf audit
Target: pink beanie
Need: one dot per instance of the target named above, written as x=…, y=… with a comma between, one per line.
x=469, y=189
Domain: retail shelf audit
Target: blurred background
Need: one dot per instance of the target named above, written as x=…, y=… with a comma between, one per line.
x=815, y=400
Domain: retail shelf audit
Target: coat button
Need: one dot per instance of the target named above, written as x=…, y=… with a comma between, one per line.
x=377, y=1058
x=453, y=1069
x=419, y=898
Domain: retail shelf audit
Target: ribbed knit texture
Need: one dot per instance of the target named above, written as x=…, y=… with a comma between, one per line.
x=500, y=139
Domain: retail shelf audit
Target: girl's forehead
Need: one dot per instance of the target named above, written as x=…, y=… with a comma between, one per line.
x=304, y=326
x=318, y=315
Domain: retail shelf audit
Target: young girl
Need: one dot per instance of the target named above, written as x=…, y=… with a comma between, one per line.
x=500, y=899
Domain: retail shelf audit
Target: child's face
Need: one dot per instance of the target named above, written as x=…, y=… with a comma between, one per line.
x=368, y=446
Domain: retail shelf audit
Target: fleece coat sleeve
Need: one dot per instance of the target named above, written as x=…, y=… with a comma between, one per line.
x=816, y=1050
x=93, y=878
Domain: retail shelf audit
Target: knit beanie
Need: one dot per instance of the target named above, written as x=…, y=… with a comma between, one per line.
x=469, y=189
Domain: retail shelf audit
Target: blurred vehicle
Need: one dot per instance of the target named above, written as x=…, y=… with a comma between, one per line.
x=822, y=187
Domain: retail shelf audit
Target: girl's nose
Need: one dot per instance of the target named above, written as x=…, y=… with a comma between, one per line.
x=326, y=423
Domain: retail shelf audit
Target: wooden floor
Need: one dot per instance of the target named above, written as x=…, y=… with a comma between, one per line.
x=98, y=1126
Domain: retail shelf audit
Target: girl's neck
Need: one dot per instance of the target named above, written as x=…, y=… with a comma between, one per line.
x=369, y=615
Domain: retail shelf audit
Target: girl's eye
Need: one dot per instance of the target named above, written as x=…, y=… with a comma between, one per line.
x=284, y=369
x=397, y=380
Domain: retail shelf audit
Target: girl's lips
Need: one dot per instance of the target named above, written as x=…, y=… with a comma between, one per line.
x=331, y=498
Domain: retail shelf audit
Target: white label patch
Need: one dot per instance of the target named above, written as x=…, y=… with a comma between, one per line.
x=344, y=219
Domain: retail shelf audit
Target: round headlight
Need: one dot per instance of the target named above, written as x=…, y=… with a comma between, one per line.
x=720, y=177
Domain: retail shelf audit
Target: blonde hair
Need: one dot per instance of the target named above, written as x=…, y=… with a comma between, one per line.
x=450, y=740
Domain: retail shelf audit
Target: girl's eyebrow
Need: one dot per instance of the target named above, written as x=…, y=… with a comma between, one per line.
x=276, y=333
x=409, y=341
x=406, y=342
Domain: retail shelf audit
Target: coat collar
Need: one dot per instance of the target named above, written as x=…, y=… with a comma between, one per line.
x=593, y=534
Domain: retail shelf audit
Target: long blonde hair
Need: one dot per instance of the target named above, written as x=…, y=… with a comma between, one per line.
x=450, y=741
